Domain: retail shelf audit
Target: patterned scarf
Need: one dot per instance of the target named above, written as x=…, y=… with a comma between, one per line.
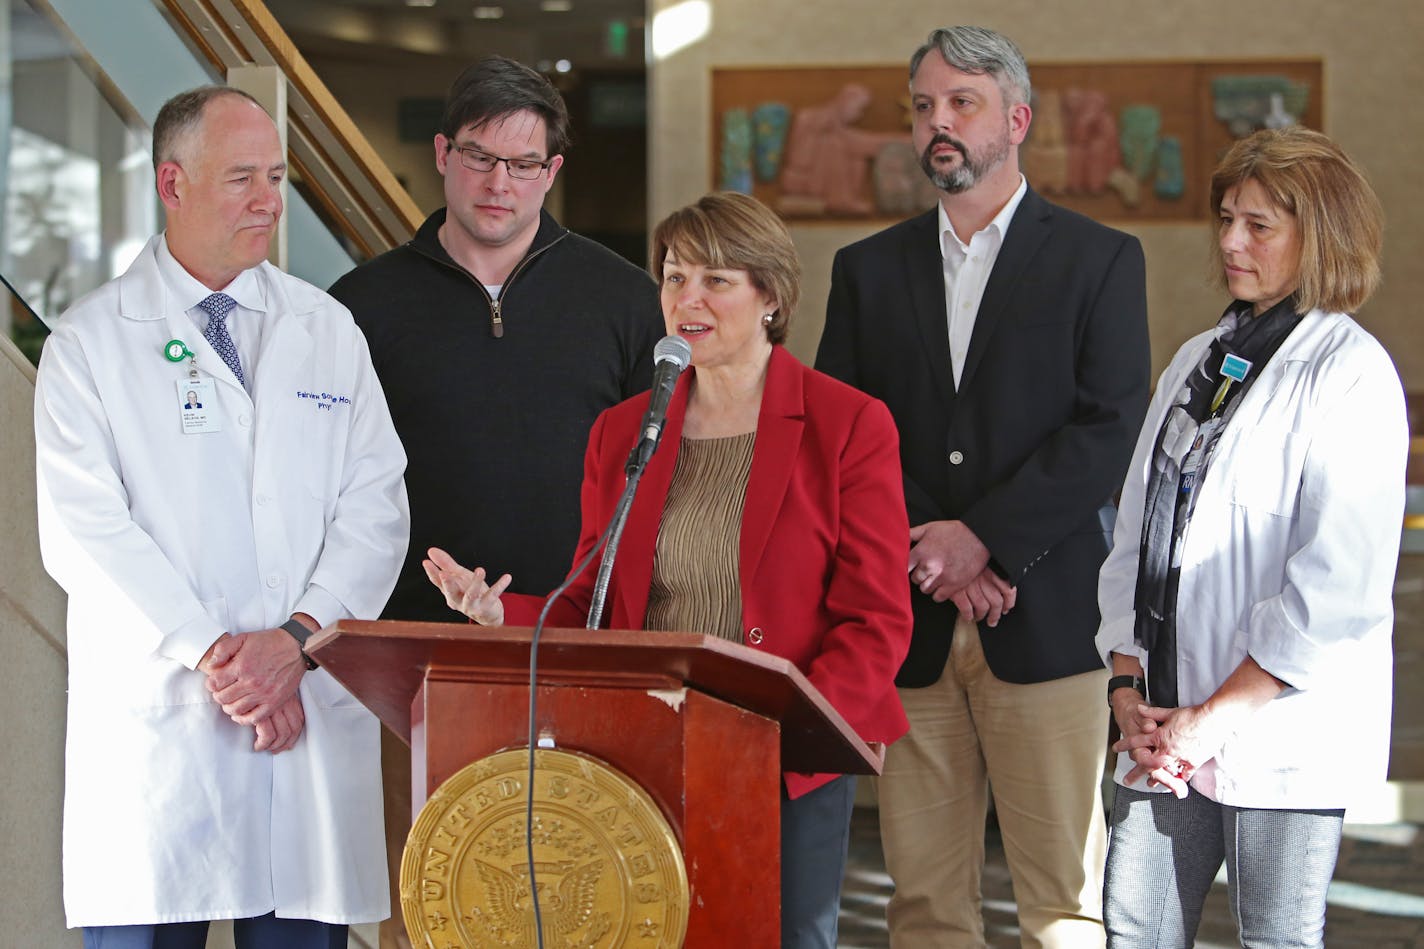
x=1184, y=448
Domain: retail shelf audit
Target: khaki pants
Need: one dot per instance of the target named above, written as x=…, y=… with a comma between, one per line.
x=1041, y=748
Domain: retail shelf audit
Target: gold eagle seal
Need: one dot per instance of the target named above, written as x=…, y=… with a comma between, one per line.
x=608, y=870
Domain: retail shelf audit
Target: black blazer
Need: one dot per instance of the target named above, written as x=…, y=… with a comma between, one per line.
x=1031, y=448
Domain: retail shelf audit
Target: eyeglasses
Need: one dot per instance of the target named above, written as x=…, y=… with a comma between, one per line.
x=526, y=169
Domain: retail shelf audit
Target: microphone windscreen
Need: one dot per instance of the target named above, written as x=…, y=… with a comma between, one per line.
x=673, y=349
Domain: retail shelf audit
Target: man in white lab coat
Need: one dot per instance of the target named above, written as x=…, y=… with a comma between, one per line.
x=211, y=772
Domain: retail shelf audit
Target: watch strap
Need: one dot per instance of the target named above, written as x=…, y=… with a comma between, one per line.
x=298, y=631
x=1127, y=682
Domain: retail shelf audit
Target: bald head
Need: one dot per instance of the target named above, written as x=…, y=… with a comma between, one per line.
x=181, y=116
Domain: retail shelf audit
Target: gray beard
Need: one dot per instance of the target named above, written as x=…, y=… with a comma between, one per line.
x=971, y=168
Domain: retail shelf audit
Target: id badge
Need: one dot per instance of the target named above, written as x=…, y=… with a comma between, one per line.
x=1196, y=455
x=198, y=406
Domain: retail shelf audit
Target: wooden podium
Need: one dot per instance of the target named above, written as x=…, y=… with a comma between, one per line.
x=703, y=725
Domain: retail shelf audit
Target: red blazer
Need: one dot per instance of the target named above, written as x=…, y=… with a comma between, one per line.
x=824, y=543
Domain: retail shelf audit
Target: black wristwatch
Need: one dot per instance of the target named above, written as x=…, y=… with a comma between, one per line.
x=301, y=634
x=1127, y=682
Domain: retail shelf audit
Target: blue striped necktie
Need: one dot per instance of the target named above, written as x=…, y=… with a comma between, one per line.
x=218, y=306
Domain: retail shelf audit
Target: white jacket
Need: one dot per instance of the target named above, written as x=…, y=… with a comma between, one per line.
x=163, y=541
x=1289, y=558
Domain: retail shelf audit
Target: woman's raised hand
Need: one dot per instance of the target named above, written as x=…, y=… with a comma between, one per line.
x=466, y=590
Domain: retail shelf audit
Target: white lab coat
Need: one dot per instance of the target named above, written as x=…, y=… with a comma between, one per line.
x=1289, y=558
x=163, y=541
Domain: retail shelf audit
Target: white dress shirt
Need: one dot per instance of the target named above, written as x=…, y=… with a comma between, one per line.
x=966, y=272
x=244, y=323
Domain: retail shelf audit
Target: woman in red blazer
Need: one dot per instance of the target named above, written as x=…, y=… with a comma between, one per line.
x=773, y=515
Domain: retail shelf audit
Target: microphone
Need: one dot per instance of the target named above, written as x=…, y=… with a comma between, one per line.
x=670, y=357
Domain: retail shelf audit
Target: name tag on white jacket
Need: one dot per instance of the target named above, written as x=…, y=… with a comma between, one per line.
x=198, y=406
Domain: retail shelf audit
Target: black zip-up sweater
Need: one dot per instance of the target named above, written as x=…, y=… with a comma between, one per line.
x=493, y=399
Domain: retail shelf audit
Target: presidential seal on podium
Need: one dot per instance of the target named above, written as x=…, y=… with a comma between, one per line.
x=608, y=868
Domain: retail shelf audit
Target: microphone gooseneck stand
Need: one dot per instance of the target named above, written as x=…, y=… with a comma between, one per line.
x=610, y=547
x=670, y=357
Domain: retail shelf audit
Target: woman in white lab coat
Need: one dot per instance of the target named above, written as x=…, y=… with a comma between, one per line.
x=1246, y=604
x=168, y=529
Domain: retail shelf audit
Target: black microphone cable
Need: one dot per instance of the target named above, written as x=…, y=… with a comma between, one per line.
x=578, y=570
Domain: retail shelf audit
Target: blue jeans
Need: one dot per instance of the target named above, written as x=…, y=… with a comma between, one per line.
x=259, y=932
x=1163, y=854
x=815, y=834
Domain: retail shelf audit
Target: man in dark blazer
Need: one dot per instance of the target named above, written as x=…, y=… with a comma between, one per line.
x=1008, y=336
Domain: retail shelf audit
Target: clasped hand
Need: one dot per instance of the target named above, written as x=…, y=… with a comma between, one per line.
x=254, y=677
x=466, y=590
x=949, y=562
x=1167, y=745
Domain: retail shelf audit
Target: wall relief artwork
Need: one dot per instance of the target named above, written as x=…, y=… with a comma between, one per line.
x=1129, y=141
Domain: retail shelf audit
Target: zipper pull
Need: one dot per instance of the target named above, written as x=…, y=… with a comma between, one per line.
x=496, y=323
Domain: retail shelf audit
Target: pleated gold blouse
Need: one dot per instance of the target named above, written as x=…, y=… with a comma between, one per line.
x=695, y=585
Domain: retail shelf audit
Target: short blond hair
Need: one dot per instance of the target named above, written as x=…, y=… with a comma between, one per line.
x=1341, y=222
x=732, y=231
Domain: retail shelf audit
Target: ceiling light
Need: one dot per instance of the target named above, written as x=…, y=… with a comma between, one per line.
x=563, y=65
x=420, y=3
x=489, y=13
x=556, y=6
x=679, y=26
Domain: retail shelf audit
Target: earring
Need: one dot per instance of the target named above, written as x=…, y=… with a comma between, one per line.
x=766, y=319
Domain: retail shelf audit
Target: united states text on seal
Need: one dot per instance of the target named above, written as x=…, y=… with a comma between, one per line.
x=608, y=868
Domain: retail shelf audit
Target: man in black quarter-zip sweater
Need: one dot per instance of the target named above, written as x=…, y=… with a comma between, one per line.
x=498, y=336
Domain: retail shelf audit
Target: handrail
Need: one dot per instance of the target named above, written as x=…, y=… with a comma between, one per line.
x=11, y=353
x=14, y=351
x=345, y=174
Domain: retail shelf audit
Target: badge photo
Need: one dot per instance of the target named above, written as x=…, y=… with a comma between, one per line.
x=197, y=405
